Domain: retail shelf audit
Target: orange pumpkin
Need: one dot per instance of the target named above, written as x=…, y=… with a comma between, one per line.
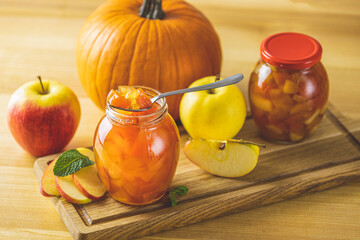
x=165, y=46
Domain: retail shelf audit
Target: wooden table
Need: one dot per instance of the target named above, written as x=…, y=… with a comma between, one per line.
x=39, y=37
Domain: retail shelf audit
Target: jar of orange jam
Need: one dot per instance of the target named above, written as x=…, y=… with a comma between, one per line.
x=136, y=153
x=288, y=88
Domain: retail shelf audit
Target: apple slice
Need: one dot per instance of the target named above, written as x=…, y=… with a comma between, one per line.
x=47, y=184
x=87, y=179
x=69, y=191
x=231, y=158
x=87, y=152
x=88, y=182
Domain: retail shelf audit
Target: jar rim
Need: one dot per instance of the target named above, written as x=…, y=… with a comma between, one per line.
x=151, y=118
x=291, y=50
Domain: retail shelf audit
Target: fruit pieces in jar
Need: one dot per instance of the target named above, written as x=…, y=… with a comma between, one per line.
x=143, y=100
x=290, y=87
x=137, y=164
x=288, y=105
x=261, y=103
x=117, y=100
x=129, y=98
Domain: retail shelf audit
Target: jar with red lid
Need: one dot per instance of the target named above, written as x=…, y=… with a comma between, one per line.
x=288, y=88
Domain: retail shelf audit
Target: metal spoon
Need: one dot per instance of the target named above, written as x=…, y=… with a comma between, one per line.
x=225, y=82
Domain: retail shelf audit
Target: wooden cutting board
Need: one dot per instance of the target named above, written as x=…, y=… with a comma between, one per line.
x=327, y=159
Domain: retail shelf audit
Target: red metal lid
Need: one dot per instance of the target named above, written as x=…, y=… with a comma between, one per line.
x=291, y=51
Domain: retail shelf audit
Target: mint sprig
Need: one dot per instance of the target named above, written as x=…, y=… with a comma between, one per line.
x=70, y=162
x=177, y=191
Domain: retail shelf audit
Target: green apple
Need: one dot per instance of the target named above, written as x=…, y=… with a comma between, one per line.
x=217, y=114
x=43, y=116
x=230, y=158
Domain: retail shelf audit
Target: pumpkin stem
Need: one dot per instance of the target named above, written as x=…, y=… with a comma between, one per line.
x=152, y=9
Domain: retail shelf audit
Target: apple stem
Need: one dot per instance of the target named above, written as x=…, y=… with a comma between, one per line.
x=42, y=86
x=217, y=78
x=232, y=140
x=222, y=146
x=246, y=142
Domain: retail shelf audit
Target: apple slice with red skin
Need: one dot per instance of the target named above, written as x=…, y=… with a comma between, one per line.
x=47, y=184
x=88, y=182
x=87, y=179
x=80, y=188
x=68, y=190
x=45, y=194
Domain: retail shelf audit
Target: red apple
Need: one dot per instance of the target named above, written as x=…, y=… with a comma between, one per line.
x=43, y=116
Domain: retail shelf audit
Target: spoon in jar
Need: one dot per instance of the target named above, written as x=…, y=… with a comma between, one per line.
x=222, y=83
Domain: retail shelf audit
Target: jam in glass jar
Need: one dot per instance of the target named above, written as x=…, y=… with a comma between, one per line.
x=136, y=153
x=288, y=88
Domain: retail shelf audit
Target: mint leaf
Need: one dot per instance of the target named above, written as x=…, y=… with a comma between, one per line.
x=70, y=162
x=179, y=191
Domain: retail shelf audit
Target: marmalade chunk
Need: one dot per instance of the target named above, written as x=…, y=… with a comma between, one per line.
x=129, y=98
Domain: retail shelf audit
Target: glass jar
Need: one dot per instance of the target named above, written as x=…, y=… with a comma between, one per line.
x=136, y=153
x=288, y=88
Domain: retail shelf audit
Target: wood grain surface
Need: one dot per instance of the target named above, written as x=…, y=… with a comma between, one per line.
x=326, y=159
x=39, y=37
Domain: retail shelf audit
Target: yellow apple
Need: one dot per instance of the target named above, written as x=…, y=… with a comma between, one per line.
x=217, y=114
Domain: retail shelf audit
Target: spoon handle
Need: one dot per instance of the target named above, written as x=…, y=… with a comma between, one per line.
x=225, y=82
